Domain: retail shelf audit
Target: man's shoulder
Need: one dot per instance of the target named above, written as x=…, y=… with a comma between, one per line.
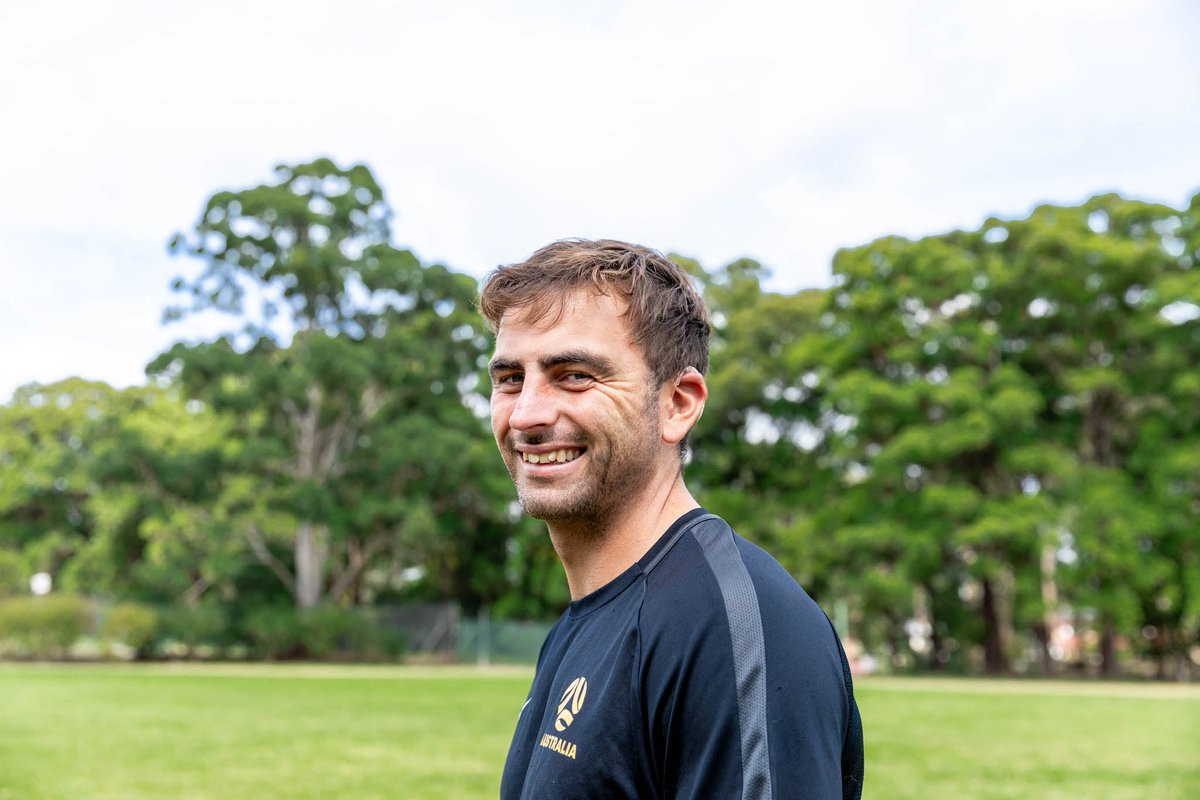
x=714, y=582
x=772, y=579
x=709, y=553
x=734, y=649
x=681, y=572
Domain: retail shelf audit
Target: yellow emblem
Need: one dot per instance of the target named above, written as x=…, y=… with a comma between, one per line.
x=572, y=701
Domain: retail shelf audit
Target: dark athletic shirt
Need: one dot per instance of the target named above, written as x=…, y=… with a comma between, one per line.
x=702, y=671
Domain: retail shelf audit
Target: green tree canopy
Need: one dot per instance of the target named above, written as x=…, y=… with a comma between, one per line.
x=346, y=379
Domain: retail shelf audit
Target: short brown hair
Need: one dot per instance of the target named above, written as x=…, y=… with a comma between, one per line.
x=668, y=319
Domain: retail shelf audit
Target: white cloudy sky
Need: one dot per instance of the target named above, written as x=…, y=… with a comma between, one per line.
x=777, y=130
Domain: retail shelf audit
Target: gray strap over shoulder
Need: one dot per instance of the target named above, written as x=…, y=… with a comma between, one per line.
x=675, y=540
x=716, y=541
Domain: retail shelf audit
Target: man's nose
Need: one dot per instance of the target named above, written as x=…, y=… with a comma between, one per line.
x=535, y=406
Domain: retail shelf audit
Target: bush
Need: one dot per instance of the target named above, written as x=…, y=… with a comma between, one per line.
x=194, y=626
x=323, y=630
x=13, y=574
x=273, y=630
x=371, y=640
x=131, y=624
x=43, y=627
x=330, y=631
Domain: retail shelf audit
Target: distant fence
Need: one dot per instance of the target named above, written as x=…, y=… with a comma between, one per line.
x=483, y=640
x=67, y=626
x=442, y=631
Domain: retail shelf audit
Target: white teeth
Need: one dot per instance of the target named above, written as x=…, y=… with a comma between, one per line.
x=554, y=456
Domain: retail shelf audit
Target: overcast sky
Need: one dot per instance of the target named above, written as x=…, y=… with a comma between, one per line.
x=780, y=131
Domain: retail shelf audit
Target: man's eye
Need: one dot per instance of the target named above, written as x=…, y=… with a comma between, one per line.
x=577, y=377
x=508, y=380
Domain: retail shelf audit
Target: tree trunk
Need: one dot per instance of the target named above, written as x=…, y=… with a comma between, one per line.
x=937, y=650
x=896, y=640
x=357, y=563
x=1108, y=650
x=995, y=662
x=923, y=612
x=311, y=550
x=1045, y=626
x=1041, y=632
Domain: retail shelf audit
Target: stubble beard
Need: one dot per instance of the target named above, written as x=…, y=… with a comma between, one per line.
x=614, y=478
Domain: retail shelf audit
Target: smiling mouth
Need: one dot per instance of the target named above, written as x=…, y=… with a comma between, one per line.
x=553, y=457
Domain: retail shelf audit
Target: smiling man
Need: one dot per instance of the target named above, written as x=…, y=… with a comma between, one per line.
x=690, y=663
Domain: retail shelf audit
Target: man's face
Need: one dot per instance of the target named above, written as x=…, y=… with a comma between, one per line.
x=575, y=410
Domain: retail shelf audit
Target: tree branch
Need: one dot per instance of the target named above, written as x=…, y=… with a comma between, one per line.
x=375, y=545
x=197, y=590
x=259, y=546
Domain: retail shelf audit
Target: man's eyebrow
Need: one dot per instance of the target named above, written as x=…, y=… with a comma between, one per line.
x=501, y=365
x=590, y=361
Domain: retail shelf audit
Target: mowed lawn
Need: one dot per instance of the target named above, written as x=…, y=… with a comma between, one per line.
x=263, y=731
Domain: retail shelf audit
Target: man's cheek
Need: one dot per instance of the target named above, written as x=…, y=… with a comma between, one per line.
x=499, y=415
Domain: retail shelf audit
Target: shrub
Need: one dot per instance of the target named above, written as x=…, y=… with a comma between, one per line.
x=13, y=574
x=330, y=631
x=323, y=630
x=131, y=624
x=273, y=630
x=193, y=626
x=373, y=640
x=44, y=627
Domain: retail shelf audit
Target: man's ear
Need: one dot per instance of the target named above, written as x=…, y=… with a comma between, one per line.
x=684, y=403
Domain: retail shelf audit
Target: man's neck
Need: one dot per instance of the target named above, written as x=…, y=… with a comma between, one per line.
x=595, y=551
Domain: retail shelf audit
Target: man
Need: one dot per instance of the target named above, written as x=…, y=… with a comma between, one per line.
x=689, y=664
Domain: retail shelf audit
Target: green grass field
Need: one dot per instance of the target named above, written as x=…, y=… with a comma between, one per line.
x=406, y=732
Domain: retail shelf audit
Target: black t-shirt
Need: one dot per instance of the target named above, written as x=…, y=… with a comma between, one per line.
x=704, y=670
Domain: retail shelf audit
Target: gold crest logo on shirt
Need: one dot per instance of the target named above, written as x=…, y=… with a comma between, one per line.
x=571, y=703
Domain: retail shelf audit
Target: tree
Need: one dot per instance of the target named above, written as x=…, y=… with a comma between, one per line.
x=999, y=388
x=156, y=467
x=932, y=416
x=112, y=492
x=347, y=344
x=45, y=483
x=758, y=448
